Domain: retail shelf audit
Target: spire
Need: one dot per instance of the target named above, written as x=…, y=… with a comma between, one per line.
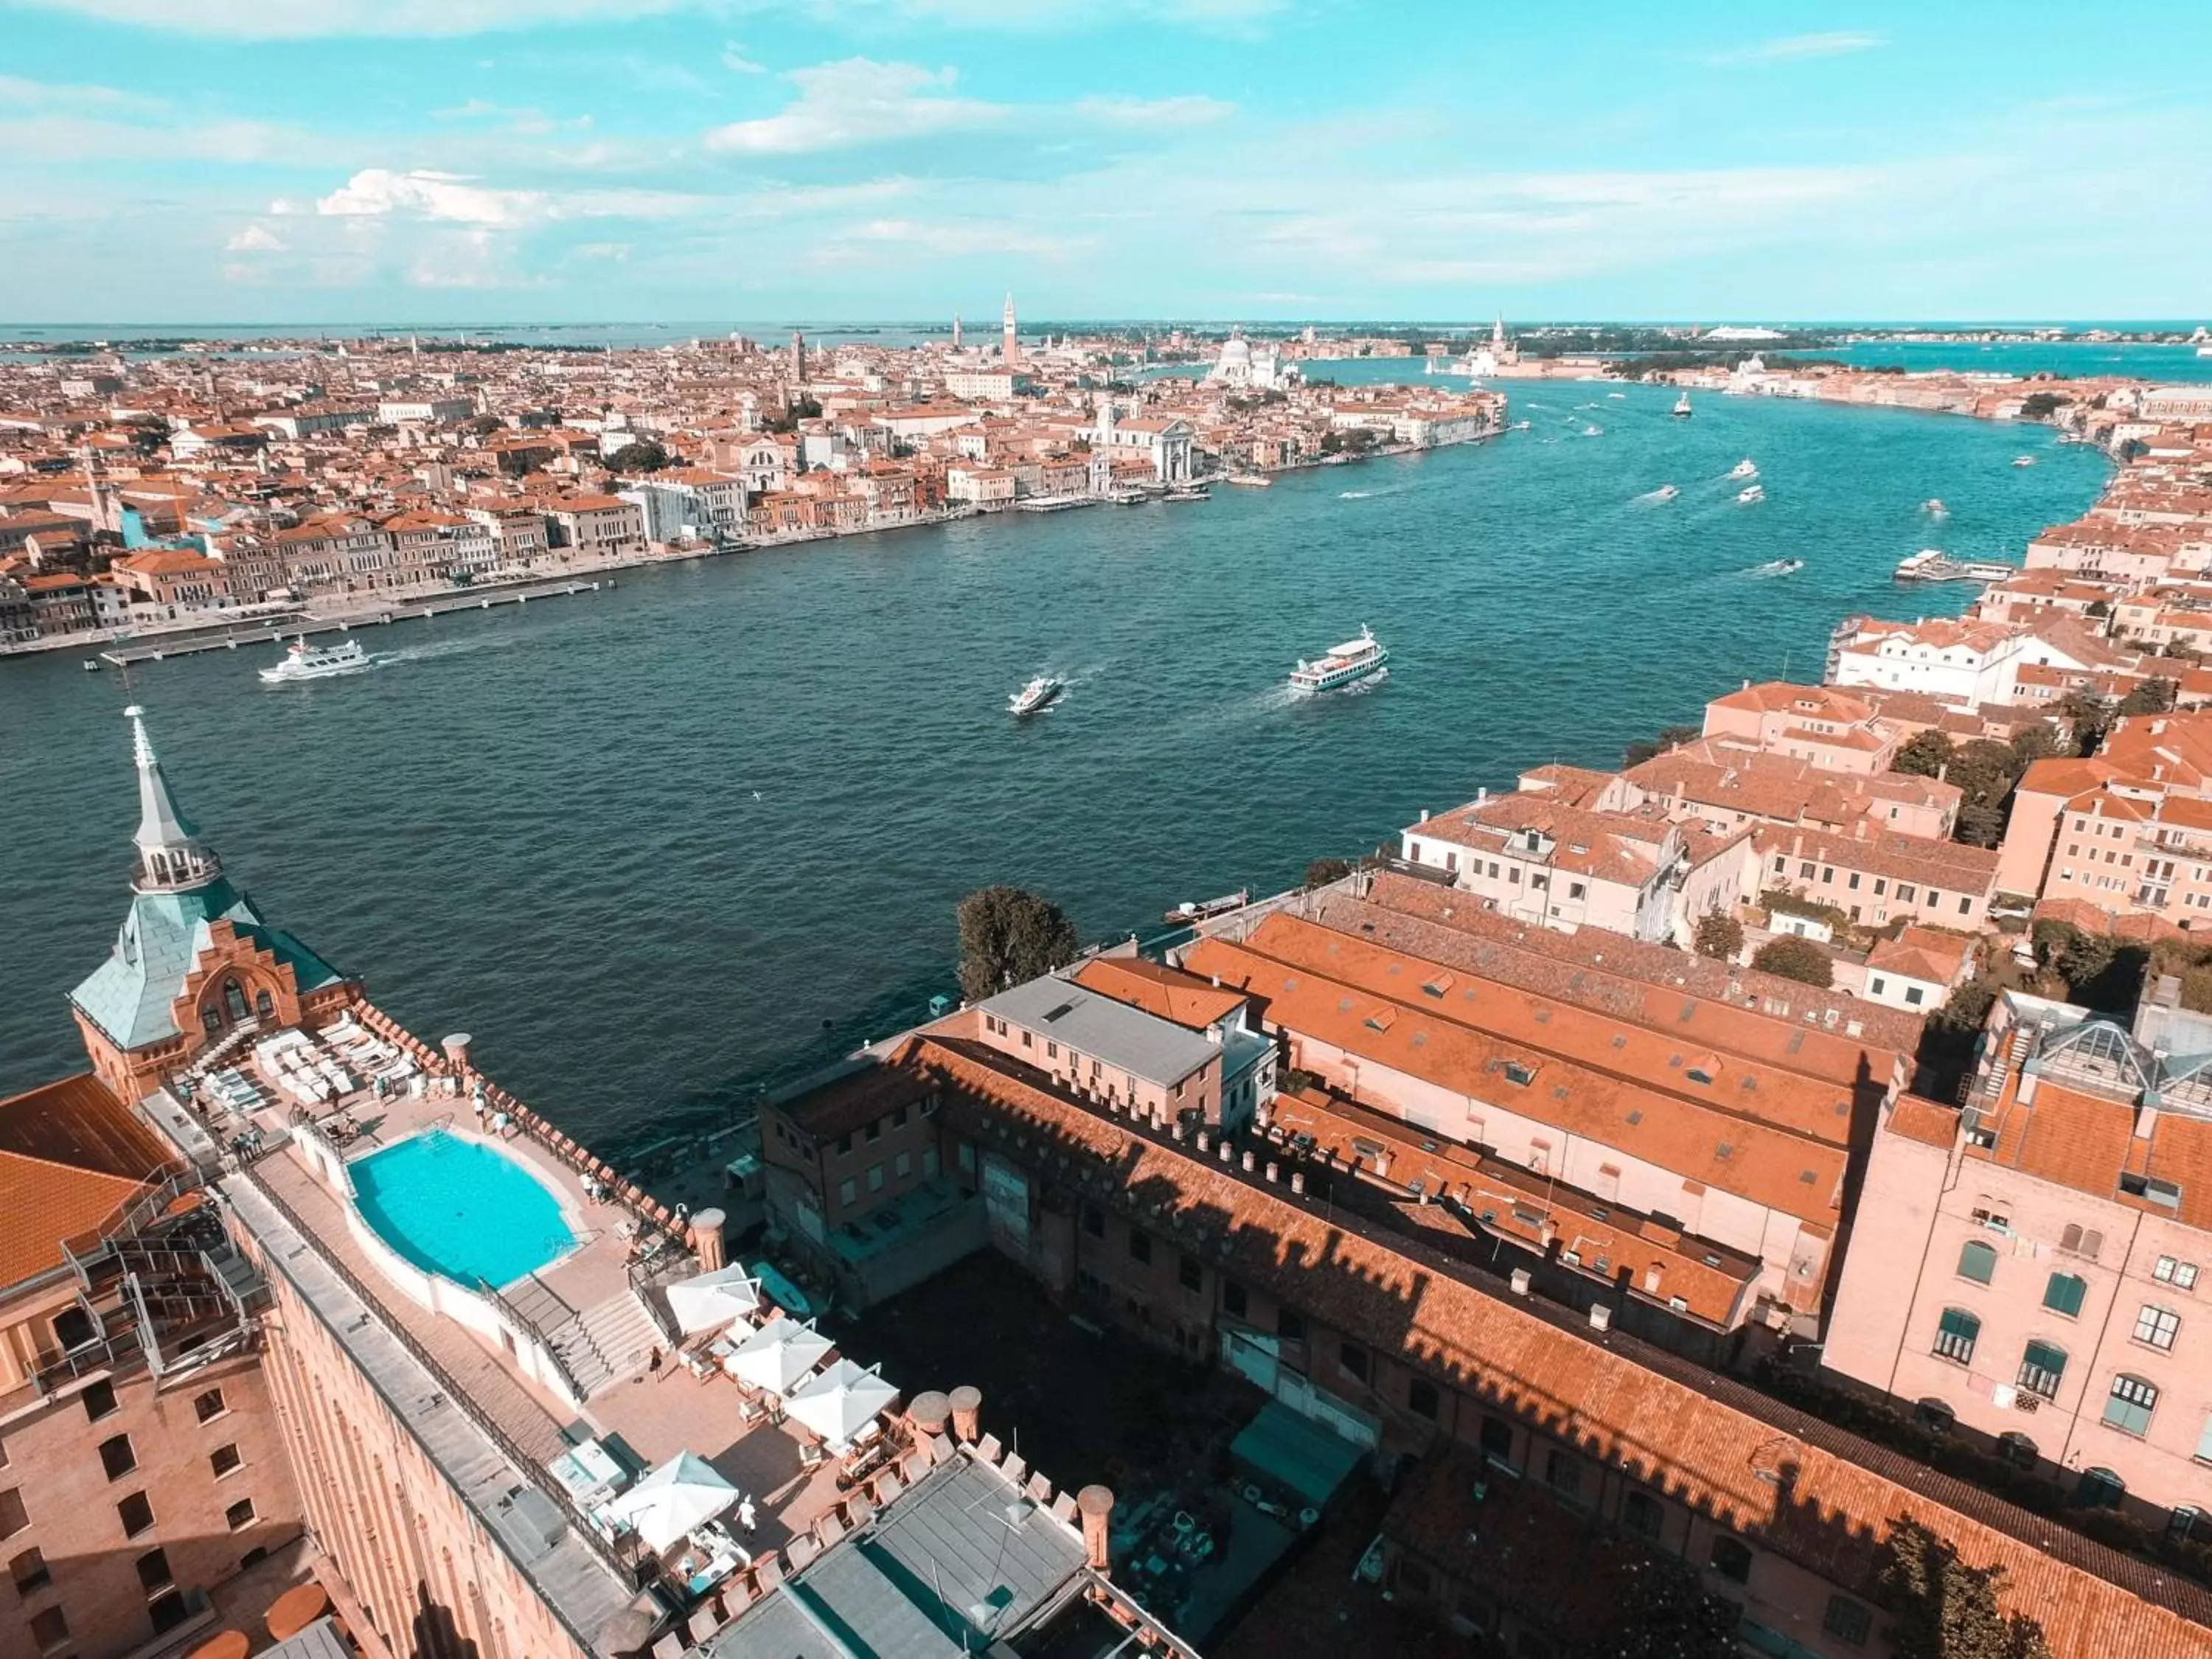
x=172, y=858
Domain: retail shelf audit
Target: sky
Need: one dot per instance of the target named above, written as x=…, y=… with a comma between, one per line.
x=396, y=162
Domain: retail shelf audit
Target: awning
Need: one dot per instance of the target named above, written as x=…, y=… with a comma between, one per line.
x=778, y=1354
x=841, y=1403
x=675, y=1498
x=711, y=1300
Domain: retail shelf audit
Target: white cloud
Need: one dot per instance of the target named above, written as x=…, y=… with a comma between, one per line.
x=734, y=59
x=255, y=239
x=1228, y=16
x=947, y=238
x=18, y=93
x=1834, y=43
x=294, y=20
x=857, y=101
x=456, y=198
x=1154, y=113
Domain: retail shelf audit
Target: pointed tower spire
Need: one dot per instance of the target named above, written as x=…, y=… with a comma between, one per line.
x=172, y=857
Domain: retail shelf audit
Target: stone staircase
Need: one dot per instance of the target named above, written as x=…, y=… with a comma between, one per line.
x=600, y=1344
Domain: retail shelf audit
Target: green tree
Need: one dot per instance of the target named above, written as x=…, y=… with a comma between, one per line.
x=2152, y=696
x=1008, y=936
x=1801, y=959
x=640, y=455
x=2042, y=406
x=2090, y=717
x=1925, y=754
x=1670, y=737
x=2032, y=744
x=1719, y=936
x=1659, y=1609
x=1321, y=871
x=482, y=425
x=1945, y=1609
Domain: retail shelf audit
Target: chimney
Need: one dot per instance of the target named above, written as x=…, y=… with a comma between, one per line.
x=1095, y=1505
x=1600, y=1316
x=1424, y=814
x=1298, y=1180
x=967, y=1403
x=929, y=1412
x=457, y=1051
x=706, y=1240
x=1521, y=1281
x=1382, y=1163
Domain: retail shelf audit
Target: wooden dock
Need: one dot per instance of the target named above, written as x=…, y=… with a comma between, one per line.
x=187, y=645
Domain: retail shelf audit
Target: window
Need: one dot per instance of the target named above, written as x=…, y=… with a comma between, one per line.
x=239, y=1514
x=2203, y=1444
x=1978, y=1262
x=1290, y=1325
x=12, y=1519
x=902, y=1165
x=1094, y=1221
x=2187, y=1522
x=848, y=1191
x=1642, y=1516
x=208, y=1406
x=1847, y=1621
x=1234, y=1303
x=2041, y=1368
x=224, y=1459
x=116, y=1457
x=1354, y=1358
x=1497, y=1440
x=1562, y=1473
x=154, y=1574
x=99, y=1400
x=2129, y=1407
x=29, y=1571
x=2019, y=1450
x=167, y=1611
x=72, y=1329
x=49, y=1629
x=1956, y=1335
x=2064, y=1292
x=1732, y=1559
x=1190, y=1274
x=2100, y=1489
x=1422, y=1400
x=1140, y=1246
x=1575, y=890
x=1516, y=1072
x=2157, y=1326
x=135, y=1514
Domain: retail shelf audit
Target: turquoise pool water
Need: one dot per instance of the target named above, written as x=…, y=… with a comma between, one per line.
x=460, y=1208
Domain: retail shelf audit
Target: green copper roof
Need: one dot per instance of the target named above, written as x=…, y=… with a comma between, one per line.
x=129, y=995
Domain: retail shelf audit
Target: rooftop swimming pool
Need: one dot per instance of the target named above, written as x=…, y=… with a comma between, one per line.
x=460, y=1208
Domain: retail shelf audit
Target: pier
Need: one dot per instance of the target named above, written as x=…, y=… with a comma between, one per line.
x=1928, y=565
x=124, y=656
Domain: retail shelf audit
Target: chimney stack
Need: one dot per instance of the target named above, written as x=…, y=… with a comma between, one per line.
x=1096, y=1504
x=707, y=1241
x=967, y=1403
x=457, y=1051
x=929, y=1412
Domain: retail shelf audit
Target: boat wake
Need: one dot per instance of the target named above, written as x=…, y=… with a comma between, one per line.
x=1653, y=497
x=1776, y=567
x=441, y=648
x=1353, y=494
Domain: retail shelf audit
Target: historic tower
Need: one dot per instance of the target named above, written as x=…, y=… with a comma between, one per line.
x=1009, y=350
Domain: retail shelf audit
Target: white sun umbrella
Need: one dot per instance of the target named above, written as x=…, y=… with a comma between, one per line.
x=841, y=1403
x=680, y=1494
x=778, y=1354
x=711, y=1300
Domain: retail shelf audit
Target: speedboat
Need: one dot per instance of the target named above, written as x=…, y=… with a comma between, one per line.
x=1780, y=568
x=1665, y=493
x=1752, y=495
x=1522, y=425
x=1036, y=695
x=1593, y=430
x=1933, y=507
x=1344, y=664
x=2023, y=460
x=1744, y=469
x=303, y=661
x=1682, y=409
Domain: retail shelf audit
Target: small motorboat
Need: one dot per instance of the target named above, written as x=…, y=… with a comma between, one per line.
x=1188, y=912
x=1933, y=507
x=1752, y=495
x=1036, y=695
x=92, y=664
x=2023, y=460
x=1522, y=425
x=1779, y=567
x=1665, y=493
x=1745, y=468
x=1593, y=430
x=1682, y=411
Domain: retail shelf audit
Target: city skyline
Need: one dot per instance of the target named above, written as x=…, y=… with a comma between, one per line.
x=572, y=161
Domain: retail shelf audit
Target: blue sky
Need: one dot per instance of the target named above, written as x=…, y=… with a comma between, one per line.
x=477, y=161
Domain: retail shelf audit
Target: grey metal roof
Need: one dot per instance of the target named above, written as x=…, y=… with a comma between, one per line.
x=1126, y=1038
x=959, y=1561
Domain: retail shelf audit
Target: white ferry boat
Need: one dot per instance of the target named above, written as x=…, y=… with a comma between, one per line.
x=1345, y=665
x=1036, y=695
x=1682, y=409
x=1752, y=495
x=303, y=661
x=1745, y=468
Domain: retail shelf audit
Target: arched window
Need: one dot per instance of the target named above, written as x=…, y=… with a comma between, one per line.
x=1934, y=1415
x=233, y=1001
x=264, y=1004
x=1978, y=1262
x=2186, y=1522
x=1956, y=1335
x=2100, y=1489
x=2064, y=1292
x=2018, y=1450
x=2041, y=1368
x=2129, y=1407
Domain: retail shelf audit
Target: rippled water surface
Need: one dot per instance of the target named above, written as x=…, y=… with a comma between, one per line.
x=654, y=845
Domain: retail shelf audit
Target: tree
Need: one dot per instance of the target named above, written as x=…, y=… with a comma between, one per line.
x=1670, y=737
x=2041, y=405
x=1719, y=936
x=1321, y=871
x=1945, y=1609
x=1801, y=959
x=2032, y=744
x=482, y=425
x=1925, y=754
x=1009, y=936
x=2152, y=696
x=1658, y=1609
x=638, y=455
x=2090, y=717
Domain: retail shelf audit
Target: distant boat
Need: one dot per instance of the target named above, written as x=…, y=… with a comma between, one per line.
x=1256, y=480
x=2023, y=460
x=1593, y=430
x=303, y=661
x=1036, y=695
x=1752, y=495
x=1522, y=425
x=1934, y=508
x=92, y=664
x=1189, y=912
x=1185, y=492
x=1681, y=410
x=1665, y=493
x=1344, y=664
x=1779, y=567
x=1745, y=468
x=1616, y=394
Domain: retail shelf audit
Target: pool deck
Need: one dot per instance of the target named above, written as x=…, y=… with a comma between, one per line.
x=646, y=1417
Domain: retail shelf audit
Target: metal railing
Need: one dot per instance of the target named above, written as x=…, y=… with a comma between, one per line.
x=641, y=1283
x=532, y=1471
x=530, y=1327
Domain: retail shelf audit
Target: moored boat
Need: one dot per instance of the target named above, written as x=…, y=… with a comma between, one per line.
x=1190, y=912
x=303, y=661
x=1344, y=664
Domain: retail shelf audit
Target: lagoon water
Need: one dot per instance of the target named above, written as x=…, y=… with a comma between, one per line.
x=656, y=846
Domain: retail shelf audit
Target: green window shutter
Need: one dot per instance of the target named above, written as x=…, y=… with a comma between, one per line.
x=1978, y=1262
x=2064, y=1294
